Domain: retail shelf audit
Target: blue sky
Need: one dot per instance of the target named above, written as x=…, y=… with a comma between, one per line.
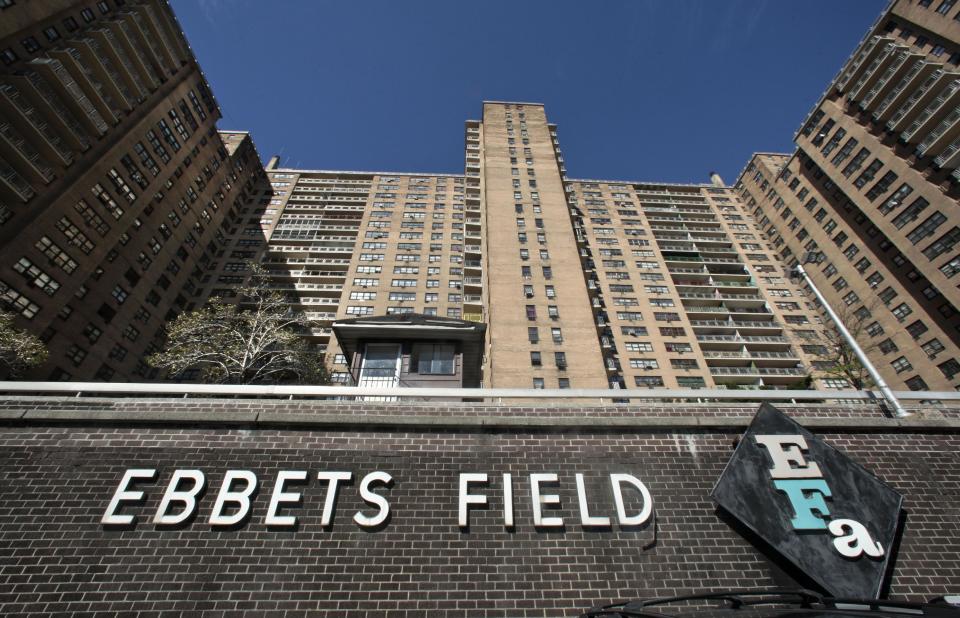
x=641, y=90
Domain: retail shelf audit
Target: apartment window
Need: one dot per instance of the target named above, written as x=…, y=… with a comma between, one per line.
x=92, y=333
x=8, y=56
x=951, y=268
x=648, y=381
x=525, y=272
x=557, y=335
x=896, y=200
x=932, y=348
x=560, y=358
x=882, y=186
x=949, y=368
x=646, y=364
x=901, y=311
x=901, y=364
x=30, y=44
x=943, y=244
x=887, y=346
x=856, y=162
x=538, y=383
x=531, y=311
x=359, y=310
x=550, y=291
x=547, y=272
x=553, y=312
x=434, y=359
x=535, y=359
x=533, y=334
x=926, y=228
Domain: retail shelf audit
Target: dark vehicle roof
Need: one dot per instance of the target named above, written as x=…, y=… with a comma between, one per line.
x=771, y=604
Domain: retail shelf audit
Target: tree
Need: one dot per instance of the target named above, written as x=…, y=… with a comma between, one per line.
x=19, y=350
x=258, y=341
x=840, y=360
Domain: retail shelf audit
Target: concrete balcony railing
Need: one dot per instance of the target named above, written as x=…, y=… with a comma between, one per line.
x=729, y=324
x=742, y=339
x=763, y=371
x=747, y=354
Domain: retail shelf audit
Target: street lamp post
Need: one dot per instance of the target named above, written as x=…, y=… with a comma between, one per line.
x=892, y=401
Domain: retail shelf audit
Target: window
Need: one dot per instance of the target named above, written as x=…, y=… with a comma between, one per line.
x=30, y=44
x=949, y=368
x=943, y=244
x=901, y=311
x=434, y=359
x=916, y=329
x=646, y=364
x=683, y=363
x=531, y=311
x=926, y=228
x=901, y=364
x=533, y=334
x=538, y=383
x=560, y=358
x=887, y=346
x=535, y=359
x=557, y=335
x=648, y=381
x=932, y=348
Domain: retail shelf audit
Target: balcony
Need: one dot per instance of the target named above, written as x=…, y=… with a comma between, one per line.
x=762, y=371
x=733, y=324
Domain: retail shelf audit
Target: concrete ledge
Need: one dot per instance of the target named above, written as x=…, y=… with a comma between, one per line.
x=239, y=417
x=252, y=418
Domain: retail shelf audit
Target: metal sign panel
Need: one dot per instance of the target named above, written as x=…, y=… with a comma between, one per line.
x=817, y=508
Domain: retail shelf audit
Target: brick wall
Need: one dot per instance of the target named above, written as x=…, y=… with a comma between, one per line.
x=60, y=464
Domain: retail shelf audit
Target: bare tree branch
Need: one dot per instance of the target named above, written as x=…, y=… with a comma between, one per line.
x=258, y=341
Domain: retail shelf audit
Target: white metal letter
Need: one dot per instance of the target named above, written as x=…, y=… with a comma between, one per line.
x=787, y=450
x=585, y=518
x=466, y=499
x=539, y=500
x=855, y=544
x=373, y=500
x=644, y=514
x=110, y=517
x=507, y=501
x=333, y=480
x=283, y=497
x=241, y=498
x=187, y=497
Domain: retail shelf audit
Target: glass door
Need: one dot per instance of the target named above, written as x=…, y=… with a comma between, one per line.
x=381, y=367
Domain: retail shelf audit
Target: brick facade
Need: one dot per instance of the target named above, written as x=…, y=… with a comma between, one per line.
x=61, y=460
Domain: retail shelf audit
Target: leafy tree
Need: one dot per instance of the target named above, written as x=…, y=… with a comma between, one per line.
x=19, y=350
x=258, y=341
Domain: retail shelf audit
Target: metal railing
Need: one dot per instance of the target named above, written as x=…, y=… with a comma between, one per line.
x=79, y=389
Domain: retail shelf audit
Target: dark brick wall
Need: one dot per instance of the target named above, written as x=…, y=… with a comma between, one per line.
x=56, y=480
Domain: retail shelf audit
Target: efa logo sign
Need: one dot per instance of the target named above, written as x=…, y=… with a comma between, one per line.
x=802, y=482
x=818, y=509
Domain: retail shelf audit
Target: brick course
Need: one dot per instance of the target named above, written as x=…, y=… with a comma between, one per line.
x=56, y=479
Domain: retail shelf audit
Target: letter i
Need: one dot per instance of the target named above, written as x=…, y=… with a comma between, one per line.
x=507, y=501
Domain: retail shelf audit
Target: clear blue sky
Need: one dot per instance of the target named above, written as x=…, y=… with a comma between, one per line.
x=641, y=90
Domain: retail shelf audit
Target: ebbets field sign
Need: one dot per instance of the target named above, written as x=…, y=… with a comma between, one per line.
x=816, y=507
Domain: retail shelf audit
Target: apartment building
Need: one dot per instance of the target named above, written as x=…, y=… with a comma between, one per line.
x=870, y=194
x=579, y=283
x=123, y=206
x=113, y=179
